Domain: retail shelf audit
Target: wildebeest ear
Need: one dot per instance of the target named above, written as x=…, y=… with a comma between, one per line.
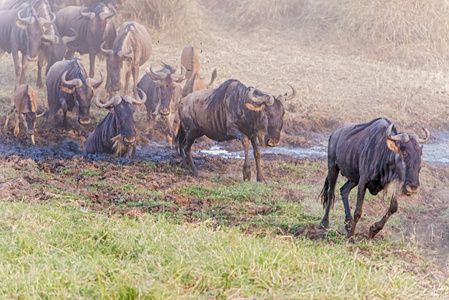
x=393, y=145
x=255, y=107
x=67, y=90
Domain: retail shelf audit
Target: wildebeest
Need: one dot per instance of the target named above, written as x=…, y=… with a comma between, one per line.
x=374, y=157
x=130, y=49
x=116, y=133
x=68, y=86
x=22, y=30
x=59, y=4
x=23, y=103
x=52, y=48
x=163, y=93
x=232, y=111
x=93, y=26
x=189, y=59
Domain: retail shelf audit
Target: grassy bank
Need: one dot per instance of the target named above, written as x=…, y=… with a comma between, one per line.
x=61, y=250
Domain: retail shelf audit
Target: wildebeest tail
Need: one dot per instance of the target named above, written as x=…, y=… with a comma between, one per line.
x=180, y=138
x=324, y=195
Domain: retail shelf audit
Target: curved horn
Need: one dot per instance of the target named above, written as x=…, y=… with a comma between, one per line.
x=105, y=15
x=139, y=100
x=90, y=15
x=107, y=52
x=422, y=141
x=52, y=38
x=45, y=22
x=264, y=100
x=28, y=20
x=68, y=39
x=91, y=82
x=122, y=53
x=113, y=101
x=290, y=97
x=402, y=137
x=179, y=78
x=76, y=82
x=158, y=75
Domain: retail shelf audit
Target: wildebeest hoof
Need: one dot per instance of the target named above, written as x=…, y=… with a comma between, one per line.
x=324, y=225
x=246, y=173
x=372, y=232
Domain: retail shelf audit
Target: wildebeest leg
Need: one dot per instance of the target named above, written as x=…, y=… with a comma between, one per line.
x=17, y=125
x=91, y=64
x=187, y=151
x=69, y=54
x=358, y=209
x=127, y=76
x=64, y=110
x=24, y=69
x=329, y=190
x=17, y=69
x=345, y=190
x=379, y=225
x=40, y=63
x=246, y=165
x=135, y=71
x=257, y=159
x=8, y=117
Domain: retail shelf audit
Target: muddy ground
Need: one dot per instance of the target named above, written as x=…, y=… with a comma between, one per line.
x=333, y=88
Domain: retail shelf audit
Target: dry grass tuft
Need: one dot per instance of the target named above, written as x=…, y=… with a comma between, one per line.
x=172, y=17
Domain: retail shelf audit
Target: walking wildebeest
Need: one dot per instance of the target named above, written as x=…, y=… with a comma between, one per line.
x=163, y=94
x=68, y=86
x=93, y=26
x=22, y=30
x=232, y=111
x=130, y=50
x=189, y=59
x=374, y=157
x=23, y=103
x=116, y=133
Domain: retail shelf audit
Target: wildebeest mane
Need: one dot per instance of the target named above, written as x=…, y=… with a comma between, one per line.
x=360, y=127
x=75, y=70
x=97, y=9
x=239, y=91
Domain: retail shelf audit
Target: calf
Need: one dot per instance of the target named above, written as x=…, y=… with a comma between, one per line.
x=23, y=103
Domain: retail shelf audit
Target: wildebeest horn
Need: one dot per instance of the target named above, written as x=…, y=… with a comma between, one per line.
x=28, y=20
x=264, y=99
x=105, y=15
x=52, y=38
x=158, y=75
x=402, y=137
x=90, y=15
x=45, y=22
x=76, y=82
x=113, y=101
x=179, y=78
x=422, y=141
x=91, y=82
x=107, y=52
x=290, y=97
x=122, y=53
x=68, y=39
x=137, y=101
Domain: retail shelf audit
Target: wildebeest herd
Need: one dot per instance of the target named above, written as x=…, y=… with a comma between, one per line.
x=372, y=155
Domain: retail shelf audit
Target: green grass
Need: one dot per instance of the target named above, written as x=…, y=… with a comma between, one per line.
x=59, y=251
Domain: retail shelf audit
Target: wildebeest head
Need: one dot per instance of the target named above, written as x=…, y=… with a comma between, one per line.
x=408, y=159
x=167, y=86
x=123, y=109
x=34, y=27
x=82, y=92
x=273, y=108
x=99, y=15
x=118, y=62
